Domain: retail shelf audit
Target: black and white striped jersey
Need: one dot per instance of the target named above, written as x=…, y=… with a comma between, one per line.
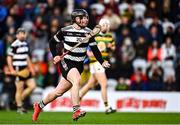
x=19, y=52
x=70, y=37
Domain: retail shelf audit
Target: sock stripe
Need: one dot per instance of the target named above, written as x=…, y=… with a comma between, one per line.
x=41, y=104
x=106, y=104
x=76, y=107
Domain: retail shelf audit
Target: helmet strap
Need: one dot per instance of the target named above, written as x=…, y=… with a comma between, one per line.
x=80, y=25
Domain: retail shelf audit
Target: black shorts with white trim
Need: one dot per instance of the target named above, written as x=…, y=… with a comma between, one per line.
x=66, y=65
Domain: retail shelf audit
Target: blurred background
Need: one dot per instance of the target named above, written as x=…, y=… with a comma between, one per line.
x=147, y=40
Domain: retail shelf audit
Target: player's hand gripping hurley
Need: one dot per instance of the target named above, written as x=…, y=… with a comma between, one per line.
x=24, y=73
x=95, y=31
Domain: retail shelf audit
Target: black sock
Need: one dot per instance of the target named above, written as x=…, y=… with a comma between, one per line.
x=41, y=104
x=80, y=98
x=76, y=107
x=19, y=107
x=106, y=104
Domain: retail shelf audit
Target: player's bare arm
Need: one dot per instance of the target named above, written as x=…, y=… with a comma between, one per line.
x=30, y=66
x=10, y=66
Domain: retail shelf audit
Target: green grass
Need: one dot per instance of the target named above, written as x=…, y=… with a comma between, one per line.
x=91, y=118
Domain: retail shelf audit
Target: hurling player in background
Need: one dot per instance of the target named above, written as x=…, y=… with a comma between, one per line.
x=105, y=44
x=18, y=59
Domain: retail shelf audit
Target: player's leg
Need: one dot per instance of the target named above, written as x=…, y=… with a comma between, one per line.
x=31, y=85
x=102, y=80
x=18, y=96
x=87, y=86
x=62, y=87
x=74, y=77
x=92, y=80
x=100, y=76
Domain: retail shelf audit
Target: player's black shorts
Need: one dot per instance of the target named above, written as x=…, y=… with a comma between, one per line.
x=18, y=78
x=66, y=65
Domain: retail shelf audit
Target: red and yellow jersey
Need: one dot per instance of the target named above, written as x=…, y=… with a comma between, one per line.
x=105, y=43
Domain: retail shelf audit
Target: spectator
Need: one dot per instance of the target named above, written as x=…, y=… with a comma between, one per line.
x=156, y=23
x=168, y=27
x=138, y=81
x=125, y=70
x=140, y=63
x=169, y=74
x=153, y=9
x=139, y=9
x=113, y=19
x=123, y=6
x=84, y=4
x=112, y=4
x=168, y=49
x=29, y=10
x=10, y=25
x=140, y=29
x=99, y=7
x=128, y=49
x=154, y=34
x=94, y=18
x=8, y=39
x=55, y=16
x=124, y=30
x=154, y=51
x=122, y=84
x=166, y=9
x=155, y=75
x=141, y=48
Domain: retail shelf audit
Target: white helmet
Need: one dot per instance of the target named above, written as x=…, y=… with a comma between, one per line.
x=104, y=21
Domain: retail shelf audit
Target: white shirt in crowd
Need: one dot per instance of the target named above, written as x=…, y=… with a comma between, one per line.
x=139, y=9
x=168, y=51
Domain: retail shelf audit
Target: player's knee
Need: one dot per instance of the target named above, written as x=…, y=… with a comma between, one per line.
x=19, y=89
x=58, y=94
x=32, y=86
x=78, y=80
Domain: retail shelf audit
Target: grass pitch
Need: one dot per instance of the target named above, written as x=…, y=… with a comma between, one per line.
x=12, y=117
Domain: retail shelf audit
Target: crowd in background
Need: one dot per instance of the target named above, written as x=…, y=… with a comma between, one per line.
x=146, y=33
